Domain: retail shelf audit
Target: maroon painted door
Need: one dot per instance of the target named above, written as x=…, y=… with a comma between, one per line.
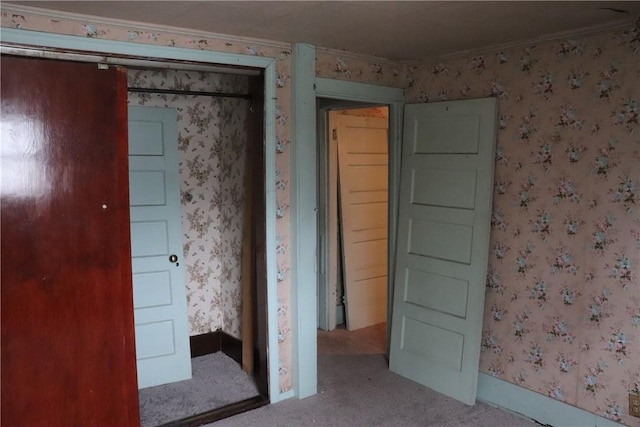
x=68, y=355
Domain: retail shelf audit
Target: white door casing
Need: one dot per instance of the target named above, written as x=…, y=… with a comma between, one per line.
x=159, y=294
x=443, y=242
x=364, y=191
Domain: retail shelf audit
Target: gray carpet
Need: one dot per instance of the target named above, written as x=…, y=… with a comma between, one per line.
x=217, y=381
x=356, y=388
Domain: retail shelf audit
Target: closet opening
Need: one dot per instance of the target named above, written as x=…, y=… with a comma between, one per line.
x=219, y=213
x=242, y=337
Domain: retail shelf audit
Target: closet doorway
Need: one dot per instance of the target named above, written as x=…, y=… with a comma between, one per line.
x=354, y=193
x=207, y=319
x=125, y=54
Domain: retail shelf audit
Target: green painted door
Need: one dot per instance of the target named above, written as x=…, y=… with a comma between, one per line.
x=159, y=295
x=443, y=243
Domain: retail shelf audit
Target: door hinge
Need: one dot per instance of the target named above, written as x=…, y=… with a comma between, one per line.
x=335, y=134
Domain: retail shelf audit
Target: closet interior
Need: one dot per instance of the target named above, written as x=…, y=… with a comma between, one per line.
x=220, y=160
x=218, y=121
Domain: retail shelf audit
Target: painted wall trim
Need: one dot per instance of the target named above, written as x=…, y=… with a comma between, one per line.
x=304, y=220
x=270, y=74
x=60, y=15
x=286, y=395
x=394, y=97
x=47, y=40
x=538, y=407
x=37, y=39
x=342, y=89
x=304, y=172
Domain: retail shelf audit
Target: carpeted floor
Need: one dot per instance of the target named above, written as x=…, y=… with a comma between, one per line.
x=217, y=381
x=356, y=388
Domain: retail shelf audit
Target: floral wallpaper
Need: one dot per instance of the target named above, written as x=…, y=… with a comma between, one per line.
x=200, y=313
x=341, y=65
x=212, y=147
x=562, y=311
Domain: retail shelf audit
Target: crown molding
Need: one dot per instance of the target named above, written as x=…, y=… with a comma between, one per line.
x=578, y=33
x=140, y=26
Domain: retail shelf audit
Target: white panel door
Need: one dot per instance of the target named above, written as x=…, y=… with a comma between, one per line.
x=443, y=243
x=364, y=191
x=159, y=295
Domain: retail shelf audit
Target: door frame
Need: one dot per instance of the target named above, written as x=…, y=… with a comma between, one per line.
x=85, y=49
x=306, y=89
x=371, y=95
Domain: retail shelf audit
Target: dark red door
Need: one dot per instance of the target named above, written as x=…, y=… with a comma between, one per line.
x=68, y=356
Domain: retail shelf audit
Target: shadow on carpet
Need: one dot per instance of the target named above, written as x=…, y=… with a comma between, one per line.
x=217, y=381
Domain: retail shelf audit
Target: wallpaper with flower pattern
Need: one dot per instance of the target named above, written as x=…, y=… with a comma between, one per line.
x=281, y=52
x=212, y=146
x=341, y=65
x=562, y=311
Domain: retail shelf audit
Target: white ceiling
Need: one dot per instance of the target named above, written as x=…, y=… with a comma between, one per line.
x=398, y=30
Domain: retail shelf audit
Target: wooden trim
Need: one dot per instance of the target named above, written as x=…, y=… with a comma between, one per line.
x=220, y=413
x=231, y=346
x=213, y=342
x=204, y=344
x=260, y=319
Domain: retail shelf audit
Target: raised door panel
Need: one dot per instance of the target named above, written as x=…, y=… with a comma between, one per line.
x=162, y=335
x=443, y=243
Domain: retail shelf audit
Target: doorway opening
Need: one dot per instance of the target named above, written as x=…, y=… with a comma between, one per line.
x=261, y=86
x=353, y=141
x=215, y=198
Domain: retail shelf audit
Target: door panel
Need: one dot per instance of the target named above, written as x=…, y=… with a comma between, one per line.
x=364, y=181
x=443, y=242
x=162, y=336
x=68, y=355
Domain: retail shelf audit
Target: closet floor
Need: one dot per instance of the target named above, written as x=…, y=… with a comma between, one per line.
x=217, y=381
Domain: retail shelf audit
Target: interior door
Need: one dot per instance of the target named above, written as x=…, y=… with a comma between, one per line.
x=68, y=354
x=364, y=191
x=443, y=242
x=159, y=294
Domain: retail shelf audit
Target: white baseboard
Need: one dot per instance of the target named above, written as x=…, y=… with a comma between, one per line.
x=283, y=396
x=538, y=407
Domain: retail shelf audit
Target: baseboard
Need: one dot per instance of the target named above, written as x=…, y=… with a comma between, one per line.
x=284, y=396
x=538, y=407
x=215, y=341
